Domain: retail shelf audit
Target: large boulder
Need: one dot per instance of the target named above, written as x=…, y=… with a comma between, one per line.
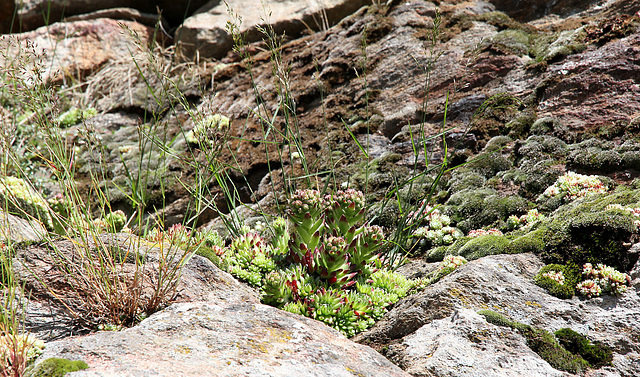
x=16, y=229
x=223, y=339
x=205, y=34
x=74, y=49
x=32, y=14
x=438, y=327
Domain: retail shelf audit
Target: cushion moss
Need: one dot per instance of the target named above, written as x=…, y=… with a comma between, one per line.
x=541, y=342
x=56, y=367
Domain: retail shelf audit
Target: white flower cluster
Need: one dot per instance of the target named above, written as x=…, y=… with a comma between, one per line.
x=633, y=210
x=452, y=261
x=20, y=344
x=574, y=186
x=204, y=131
x=556, y=276
x=602, y=279
x=481, y=232
x=436, y=229
x=533, y=216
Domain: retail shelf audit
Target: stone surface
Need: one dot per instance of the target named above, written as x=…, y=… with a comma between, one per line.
x=74, y=49
x=32, y=14
x=464, y=344
x=41, y=269
x=17, y=229
x=415, y=329
x=205, y=34
x=234, y=338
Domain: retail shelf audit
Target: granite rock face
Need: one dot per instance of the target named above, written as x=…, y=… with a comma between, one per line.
x=205, y=34
x=233, y=338
x=413, y=333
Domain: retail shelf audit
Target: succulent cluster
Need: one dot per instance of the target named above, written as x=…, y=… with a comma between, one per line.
x=326, y=267
x=532, y=217
x=434, y=228
x=452, y=262
x=248, y=257
x=572, y=186
x=564, y=280
x=602, y=279
x=329, y=236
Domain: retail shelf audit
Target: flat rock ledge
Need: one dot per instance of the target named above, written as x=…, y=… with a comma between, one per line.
x=222, y=339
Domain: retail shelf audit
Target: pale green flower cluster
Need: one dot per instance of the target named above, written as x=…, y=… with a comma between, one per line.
x=632, y=210
x=481, y=232
x=557, y=276
x=602, y=279
x=205, y=131
x=572, y=186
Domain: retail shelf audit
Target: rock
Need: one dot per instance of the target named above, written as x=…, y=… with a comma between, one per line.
x=222, y=339
x=503, y=283
x=58, y=305
x=75, y=49
x=527, y=10
x=17, y=229
x=33, y=14
x=205, y=34
x=601, y=80
x=464, y=344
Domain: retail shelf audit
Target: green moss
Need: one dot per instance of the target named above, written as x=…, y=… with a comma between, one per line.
x=597, y=355
x=571, y=275
x=496, y=318
x=521, y=125
x=509, y=42
x=531, y=242
x=438, y=253
x=541, y=342
x=545, y=345
x=479, y=247
x=475, y=209
x=56, y=367
x=585, y=231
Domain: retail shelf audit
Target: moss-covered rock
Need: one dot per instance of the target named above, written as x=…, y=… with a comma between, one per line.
x=21, y=200
x=587, y=231
x=541, y=342
x=570, y=276
x=479, y=247
x=597, y=355
x=475, y=209
x=56, y=367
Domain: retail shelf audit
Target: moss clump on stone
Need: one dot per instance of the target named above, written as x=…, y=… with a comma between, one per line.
x=475, y=209
x=547, y=347
x=56, y=367
x=479, y=247
x=531, y=242
x=541, y=342
x=570, y=274
x=22, y=201
x=597, y=355
x=586, y=231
